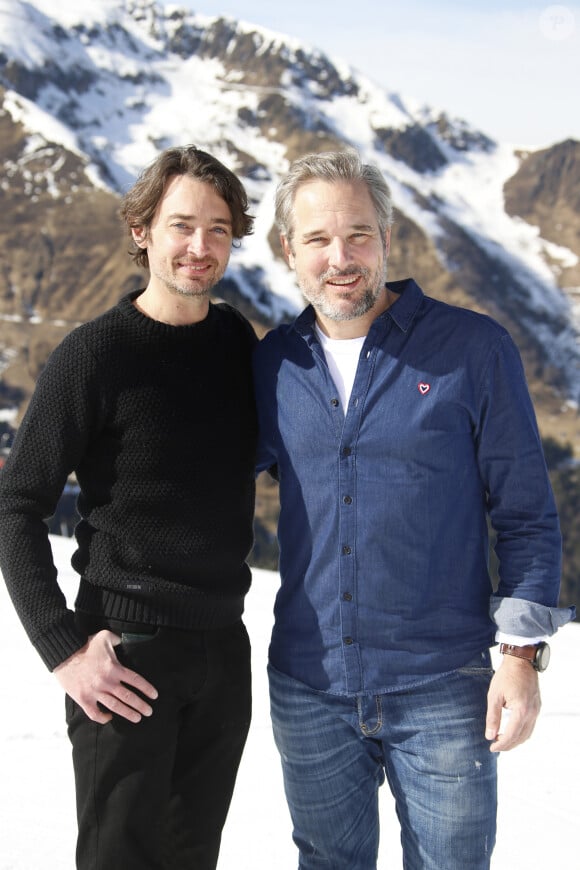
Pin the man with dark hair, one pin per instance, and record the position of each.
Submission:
(398, 425)
(141, 404)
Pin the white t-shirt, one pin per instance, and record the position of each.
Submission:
(342, 355)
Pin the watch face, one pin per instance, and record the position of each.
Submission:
(542, 657)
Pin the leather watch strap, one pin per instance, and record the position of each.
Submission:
(521, 652)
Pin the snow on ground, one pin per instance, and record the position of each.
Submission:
(538, 781)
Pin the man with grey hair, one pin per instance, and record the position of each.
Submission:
(396, 425)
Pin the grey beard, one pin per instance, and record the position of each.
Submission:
(360, 308)
(333, 311)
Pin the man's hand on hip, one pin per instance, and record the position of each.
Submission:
(93, 675)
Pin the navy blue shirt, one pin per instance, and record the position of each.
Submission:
(383, 527)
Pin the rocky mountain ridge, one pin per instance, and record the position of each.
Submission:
(89, 94)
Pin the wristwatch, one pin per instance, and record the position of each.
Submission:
(537, 654)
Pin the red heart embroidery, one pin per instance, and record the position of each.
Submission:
(424, 388)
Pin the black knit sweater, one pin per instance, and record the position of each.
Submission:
(158, 423)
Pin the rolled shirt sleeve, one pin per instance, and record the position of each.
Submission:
(528, 619)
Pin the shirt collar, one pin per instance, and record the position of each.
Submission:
(404, 309)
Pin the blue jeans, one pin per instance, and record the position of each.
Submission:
(429, 742)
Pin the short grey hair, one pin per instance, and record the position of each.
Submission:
(332, 166)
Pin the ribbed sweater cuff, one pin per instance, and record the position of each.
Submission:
(60, 644)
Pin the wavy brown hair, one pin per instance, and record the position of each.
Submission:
(140, 203)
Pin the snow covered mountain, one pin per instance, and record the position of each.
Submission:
(90, 92)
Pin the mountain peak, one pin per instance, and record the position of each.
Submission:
(105, 86)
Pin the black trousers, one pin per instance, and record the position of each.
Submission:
(155, 795)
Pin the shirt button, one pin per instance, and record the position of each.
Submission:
(347, 596)
(346, 551)
(347, 499)
(348, 641)
(347, 451)
(335, 403)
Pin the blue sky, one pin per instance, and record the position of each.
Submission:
(511, 69)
